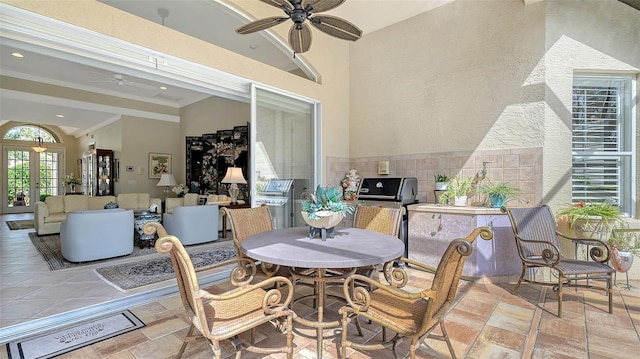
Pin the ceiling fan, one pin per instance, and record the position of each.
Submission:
(121, 80)
(299, 11)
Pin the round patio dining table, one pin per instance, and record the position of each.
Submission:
(350, 248)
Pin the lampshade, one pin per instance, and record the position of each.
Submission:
(234, 175)
(167, 179)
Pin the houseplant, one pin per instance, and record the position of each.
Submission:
(441, 182)
(72, 181)
(323, 210)
(458, 189)
(499, 193)
(588, 220)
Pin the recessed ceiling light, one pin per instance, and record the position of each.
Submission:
(163, 87)
(17, 54)
(59, 116)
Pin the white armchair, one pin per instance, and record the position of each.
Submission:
(98, 234)
(193, 224)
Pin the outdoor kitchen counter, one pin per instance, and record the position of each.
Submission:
(432, 227)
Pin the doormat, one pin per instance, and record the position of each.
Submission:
(20, 224)
(68, 339)
(137, 274)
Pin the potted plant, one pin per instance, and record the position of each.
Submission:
(624, 245)
(458, 189)
(72, 181)
(499, 193)
(323, 210)
(588, 220)
(441, 182)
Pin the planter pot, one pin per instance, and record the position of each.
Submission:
(324, 225)
(460, 201)
(496, 200)
(441, 186)
(621, 261)
(589, 227)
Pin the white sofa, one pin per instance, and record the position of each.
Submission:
(53, 211)
(192, 224)
(96, 234)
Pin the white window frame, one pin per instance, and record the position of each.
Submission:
(616, 176)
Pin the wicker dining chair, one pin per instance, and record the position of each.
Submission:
(538, 246)
(223, 316)
(246, 222)
(411, 315)
(379, 219)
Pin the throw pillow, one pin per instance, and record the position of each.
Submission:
(111, 205)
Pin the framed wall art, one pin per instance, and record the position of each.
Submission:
(159, 163)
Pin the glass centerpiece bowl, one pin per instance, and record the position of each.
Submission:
(323, 210)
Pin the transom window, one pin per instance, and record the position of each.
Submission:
(602, 140)
(29, 133)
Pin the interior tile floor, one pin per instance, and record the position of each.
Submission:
(487, 322)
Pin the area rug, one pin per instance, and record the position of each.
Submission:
(136, 274)
(68, 339)
(20, 224)
(49, 247)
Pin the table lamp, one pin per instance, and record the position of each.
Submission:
(234, 176)
(167, 180)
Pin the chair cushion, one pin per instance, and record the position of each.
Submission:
(55, 204)
(98, 202)
(133, 200)
(56, 217)
(230, 315)
(406, 314)
(75, 203)
(190, 199)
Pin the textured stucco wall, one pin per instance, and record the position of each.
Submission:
(582, 36)
(451, 79)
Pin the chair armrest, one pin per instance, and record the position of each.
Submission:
(597, 253)
(550, 254)
(273, 298)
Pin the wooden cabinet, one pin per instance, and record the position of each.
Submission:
(97, 172)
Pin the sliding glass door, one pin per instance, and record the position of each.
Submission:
(285, 145)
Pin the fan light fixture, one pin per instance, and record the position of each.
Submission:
(302, 13)
(39, 144)
(234, 176)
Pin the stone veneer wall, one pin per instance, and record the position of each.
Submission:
(521, 167)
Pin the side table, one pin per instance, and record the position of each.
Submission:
(224, 214)
(139, 220)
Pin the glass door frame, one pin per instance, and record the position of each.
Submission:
(316, 136)
(34, 177)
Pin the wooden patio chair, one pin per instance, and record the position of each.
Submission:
(411, 315)
(538, 246)
(224, 316)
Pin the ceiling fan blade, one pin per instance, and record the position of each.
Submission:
(260, 25)
(321, 5)
(300, 37)
(336, 26)
(280, 4)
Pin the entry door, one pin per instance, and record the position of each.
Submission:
(28, 175)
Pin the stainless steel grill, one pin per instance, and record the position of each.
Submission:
(392, 192)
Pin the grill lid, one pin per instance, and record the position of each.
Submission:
(399, 189)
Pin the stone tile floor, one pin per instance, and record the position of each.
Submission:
(488, 321)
